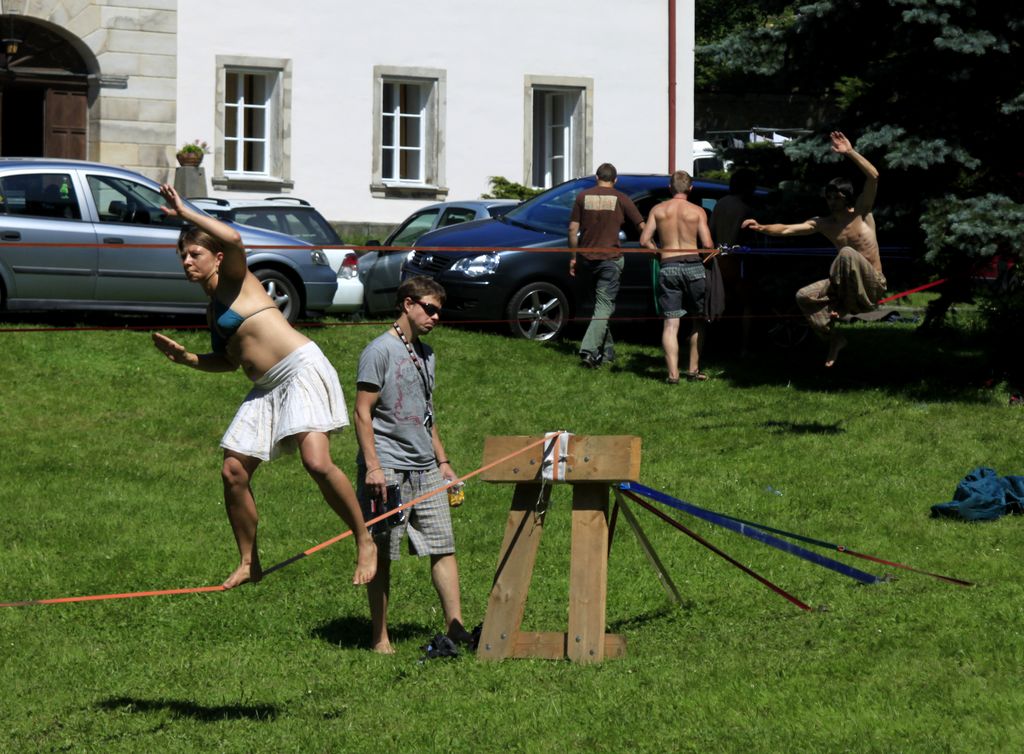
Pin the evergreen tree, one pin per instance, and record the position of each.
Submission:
(932, 91)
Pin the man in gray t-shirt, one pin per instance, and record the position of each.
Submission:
(399, 446)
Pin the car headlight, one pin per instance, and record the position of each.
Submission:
(317, 256)
(474, 267)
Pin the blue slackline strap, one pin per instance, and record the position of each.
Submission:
(751, 531)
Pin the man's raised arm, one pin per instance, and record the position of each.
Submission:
(866, 200)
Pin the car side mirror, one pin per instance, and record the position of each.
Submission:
(373, 242)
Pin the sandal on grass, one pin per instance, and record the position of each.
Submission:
(671, 380)
(697, 376)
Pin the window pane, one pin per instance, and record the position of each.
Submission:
(255, 153)
(409, 165)
(255, 89)
(49, 195)
(455, 215)
(390, 97)
(255, 123)
(231, 121)
(387, 134)
(231, 87)
(231, 155)
(409, 135)
(414, 228)
(388, 165)
(412, 98)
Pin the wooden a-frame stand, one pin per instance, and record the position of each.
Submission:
(593, 464)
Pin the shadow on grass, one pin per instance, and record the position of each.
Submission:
(796, 428)
(200, 712)
(354, 632)
(651, 616)
(896, 359)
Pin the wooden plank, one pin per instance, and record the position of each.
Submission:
(605, 458)
(524, 467)
(540, 645)
(598, 458)
(588, 573)
(507, 601)
(552, 645)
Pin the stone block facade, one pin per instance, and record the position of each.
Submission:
(129, 48)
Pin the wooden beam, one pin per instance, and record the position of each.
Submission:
(552, 645)
(588, 572)
(507, 600)
(598, 458)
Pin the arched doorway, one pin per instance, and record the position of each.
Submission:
(44, 92)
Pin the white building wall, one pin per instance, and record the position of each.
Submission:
(486, 49)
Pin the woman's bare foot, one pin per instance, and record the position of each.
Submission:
(366, 563)
(836, 344)
(245, 573)
(383, 648)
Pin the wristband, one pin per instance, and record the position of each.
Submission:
(442, 463)
(370, 471)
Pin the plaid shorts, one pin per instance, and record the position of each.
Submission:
(428, 523)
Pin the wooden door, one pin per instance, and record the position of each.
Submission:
(64, 124)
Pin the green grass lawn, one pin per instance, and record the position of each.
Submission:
(109, 482)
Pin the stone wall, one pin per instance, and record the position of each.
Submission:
(133, 103)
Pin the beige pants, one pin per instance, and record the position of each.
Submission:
(853, 287)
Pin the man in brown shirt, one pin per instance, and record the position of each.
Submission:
(597, 215)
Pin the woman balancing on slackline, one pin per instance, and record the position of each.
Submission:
(296, 401)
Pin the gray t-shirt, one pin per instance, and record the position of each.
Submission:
(401, 439)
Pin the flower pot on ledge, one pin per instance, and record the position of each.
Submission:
(189, 159)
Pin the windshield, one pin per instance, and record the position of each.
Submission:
(550, 211)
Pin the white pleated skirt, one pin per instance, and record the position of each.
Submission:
(301, 393)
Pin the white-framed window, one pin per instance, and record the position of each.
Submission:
(253, 147)
(409, 110)
(558, 128)
(248, 112)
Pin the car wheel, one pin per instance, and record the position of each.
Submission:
(538, 311)
(282, 291)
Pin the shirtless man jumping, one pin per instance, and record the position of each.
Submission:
(855, 281)
(680, 224)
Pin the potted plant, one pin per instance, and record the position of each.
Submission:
(191, 154)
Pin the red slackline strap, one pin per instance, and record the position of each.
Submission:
(693, 535)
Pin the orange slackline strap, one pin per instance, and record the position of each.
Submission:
(282, 564)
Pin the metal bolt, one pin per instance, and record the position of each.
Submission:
(487, 647)
(504, 636)
(586, 459)
(579, 639)
(515, 469)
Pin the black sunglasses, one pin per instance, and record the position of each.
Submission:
(429, 309)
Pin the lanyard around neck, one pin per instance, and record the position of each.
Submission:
(419, 363)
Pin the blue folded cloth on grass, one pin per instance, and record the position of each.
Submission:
(983, 495)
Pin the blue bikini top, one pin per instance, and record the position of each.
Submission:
(226, 322)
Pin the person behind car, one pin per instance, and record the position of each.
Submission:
(399, 447)
(682, 228)
(855, 281)
(597, 215)
(296, 401)
(726, 230)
